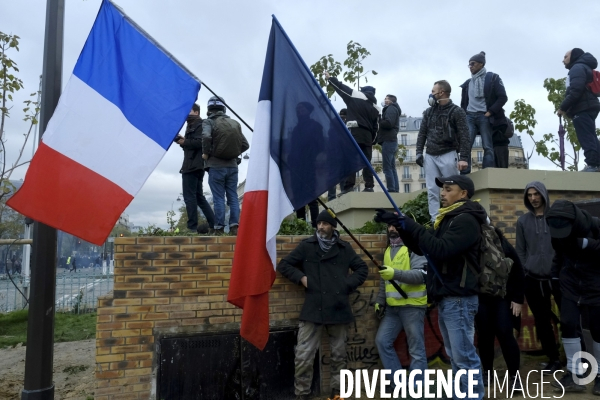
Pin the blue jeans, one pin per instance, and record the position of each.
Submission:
(585, 128)
(388, 154)
(397, 318)
(480, 124)
(224, 181)
(193, 197)
(456, 318)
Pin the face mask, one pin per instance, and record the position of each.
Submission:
(432, 100)
(191, 118)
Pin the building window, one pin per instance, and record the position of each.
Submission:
(477, 142)
(418, 124)
(423, 186)
(479, 156)
(407, 188)
(422, 173)
(406, 173)
(403, 125)
(404, 140)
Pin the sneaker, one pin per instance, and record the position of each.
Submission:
(596, 389)
(552, 367)
(211, 232)
(568, 384)
(368, 190)
(219, 231)
(233, 230)
(589, 168)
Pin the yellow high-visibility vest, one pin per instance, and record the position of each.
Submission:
(417, 294)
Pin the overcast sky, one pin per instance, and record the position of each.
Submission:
(412, 43)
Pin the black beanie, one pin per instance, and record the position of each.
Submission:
(575, 54)
(479, 57)
(326, 217)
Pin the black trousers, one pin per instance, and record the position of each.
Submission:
(501, 156)
(193, 196)
(494, 320)
(538, 295)
(367, 174)
(313, 206)
(570, 320)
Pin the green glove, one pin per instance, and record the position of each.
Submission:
(376, 307)
(387, 273)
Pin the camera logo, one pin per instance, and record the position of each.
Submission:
(584, 367)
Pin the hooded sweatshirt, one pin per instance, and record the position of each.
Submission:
(534, 245)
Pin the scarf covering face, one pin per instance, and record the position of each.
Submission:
(443, 211)
(326, 244)
(396, 242)
(478, 80)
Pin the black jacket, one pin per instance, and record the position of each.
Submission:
(515, 287)
(579, 97)
(444, 129)
(192, 148)
(362, 108)
(495, 97)
(456, 240)
(389, 124)
(329, 284)
(577, 269)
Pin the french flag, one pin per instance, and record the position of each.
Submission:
(300, 148)
(115, 120)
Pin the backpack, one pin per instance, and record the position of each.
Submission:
(510, 129)
(495, 266)
(227, 138)
(449, 128)
(594, 85)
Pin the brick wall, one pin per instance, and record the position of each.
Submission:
(174, 286)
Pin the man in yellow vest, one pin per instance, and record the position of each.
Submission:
(408, 270)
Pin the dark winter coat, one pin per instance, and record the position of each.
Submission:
(444, 129)
(456, 240)
(329, 283)
(579, 97)
(515, 287)
(495, 97)
(192, 148)
(389, 124)
(534, 245)
(362, 108)
(577, 268)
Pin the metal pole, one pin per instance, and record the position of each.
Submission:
(40, 326)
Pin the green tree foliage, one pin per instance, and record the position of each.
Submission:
(353, 63)
(548, 146)
(295, 226)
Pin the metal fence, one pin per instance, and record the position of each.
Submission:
(76, 292)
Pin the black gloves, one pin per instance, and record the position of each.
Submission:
(389, 218)
(419, 160)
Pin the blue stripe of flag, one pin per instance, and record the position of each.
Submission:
(119, 62)
(309, 142)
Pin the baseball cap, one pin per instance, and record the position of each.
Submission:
(463, 182)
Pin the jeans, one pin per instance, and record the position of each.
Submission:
(435, 167)
(494, 320)
(389, 150)
(585, 128)
(456, 318)
(538, 295)
(350, 181)
(309, 341)
(223, 181)
(480, 124)
(412, 320)
(193, 196)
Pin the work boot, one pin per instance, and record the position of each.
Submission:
(552, 367)
(219, 232)
(596, 389)
(233, 230)
(568, 384)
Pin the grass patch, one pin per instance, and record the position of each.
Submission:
(67, 327)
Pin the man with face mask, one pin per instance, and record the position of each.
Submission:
(320, 264)
(443, 135)
(408, 270)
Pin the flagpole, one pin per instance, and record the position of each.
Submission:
(39, 353)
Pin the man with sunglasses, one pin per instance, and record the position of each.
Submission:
(483, 96)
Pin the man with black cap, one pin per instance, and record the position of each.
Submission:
(581, 105)
(362, 120)
(483, 96)
(453, 248)
(320, 264)
(576, 242)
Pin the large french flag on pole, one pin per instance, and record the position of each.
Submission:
(300, 148)
(115, 120)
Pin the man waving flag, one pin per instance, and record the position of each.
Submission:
(115, 120)
(300, 148)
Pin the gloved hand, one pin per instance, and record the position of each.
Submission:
(390, 218)
(420, 160)
(387, 273)
(377, 307)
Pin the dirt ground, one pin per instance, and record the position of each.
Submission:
(74, 364)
